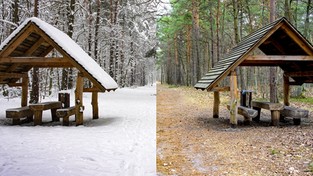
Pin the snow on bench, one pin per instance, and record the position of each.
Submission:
(17, 113)
(65, 113)
(38, 108)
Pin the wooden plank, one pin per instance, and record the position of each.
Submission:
(267, 105)
(17, 40)
(233, 99)
(35, 46)
(245, 111)
(79, 99)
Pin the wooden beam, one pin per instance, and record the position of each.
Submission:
(15, 84)
(286, 90)
(299, 73)
(35, 46)
(220, 89)
(270, 60)
(295, 83)
(12, 75)
(73, 62)
(18, 40)
(94, 103)
(278, 58)
(79, 100)
(29, 59)
(93, 89)
(47, 51)
(37, 61)
(298, 39)
(233, 99)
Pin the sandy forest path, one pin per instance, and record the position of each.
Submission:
(191, 142)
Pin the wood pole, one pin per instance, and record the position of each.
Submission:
(24, 91)
(233, 99)
(286, 91)
(94, 103)
(216, 104)
(79, 100)
(275, 117)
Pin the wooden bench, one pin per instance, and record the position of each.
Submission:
(65, 113)
(247, 113)
(38, 108)
(17, 113)
(275, 109)
(294, 113)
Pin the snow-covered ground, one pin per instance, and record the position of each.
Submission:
(121, 142)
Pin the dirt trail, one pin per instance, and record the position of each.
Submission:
(191, 142)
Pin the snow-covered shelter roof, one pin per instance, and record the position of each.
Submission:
(283, 46)
(29, 45)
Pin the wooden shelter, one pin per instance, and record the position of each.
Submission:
(282, 45)
(29, 46)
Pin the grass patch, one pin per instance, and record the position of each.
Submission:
(173, 86)
(311, 167)
(308, 100)
(274, 152)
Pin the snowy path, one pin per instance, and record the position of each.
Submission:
(120, 142)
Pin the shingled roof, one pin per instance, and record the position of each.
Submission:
(277, 38)
(29, 45)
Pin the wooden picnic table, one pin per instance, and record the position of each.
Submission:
(40, 107)
(275, 109)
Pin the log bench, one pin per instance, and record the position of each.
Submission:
(247, 113)
(294, 113)
(65, 113)
(275, 109)
(17, 113)
(38, 108)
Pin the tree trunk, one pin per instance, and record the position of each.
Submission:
(273, 70)
(34, 96)
(307, 19)
(195, 42)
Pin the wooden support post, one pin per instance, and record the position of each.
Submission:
(233, 99)
(216, 104)
(24, 91)
(286, 90)
(25, 95)
(79, 100)
(94, 103)
(275, 117)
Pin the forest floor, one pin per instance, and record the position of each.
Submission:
(191, 142)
